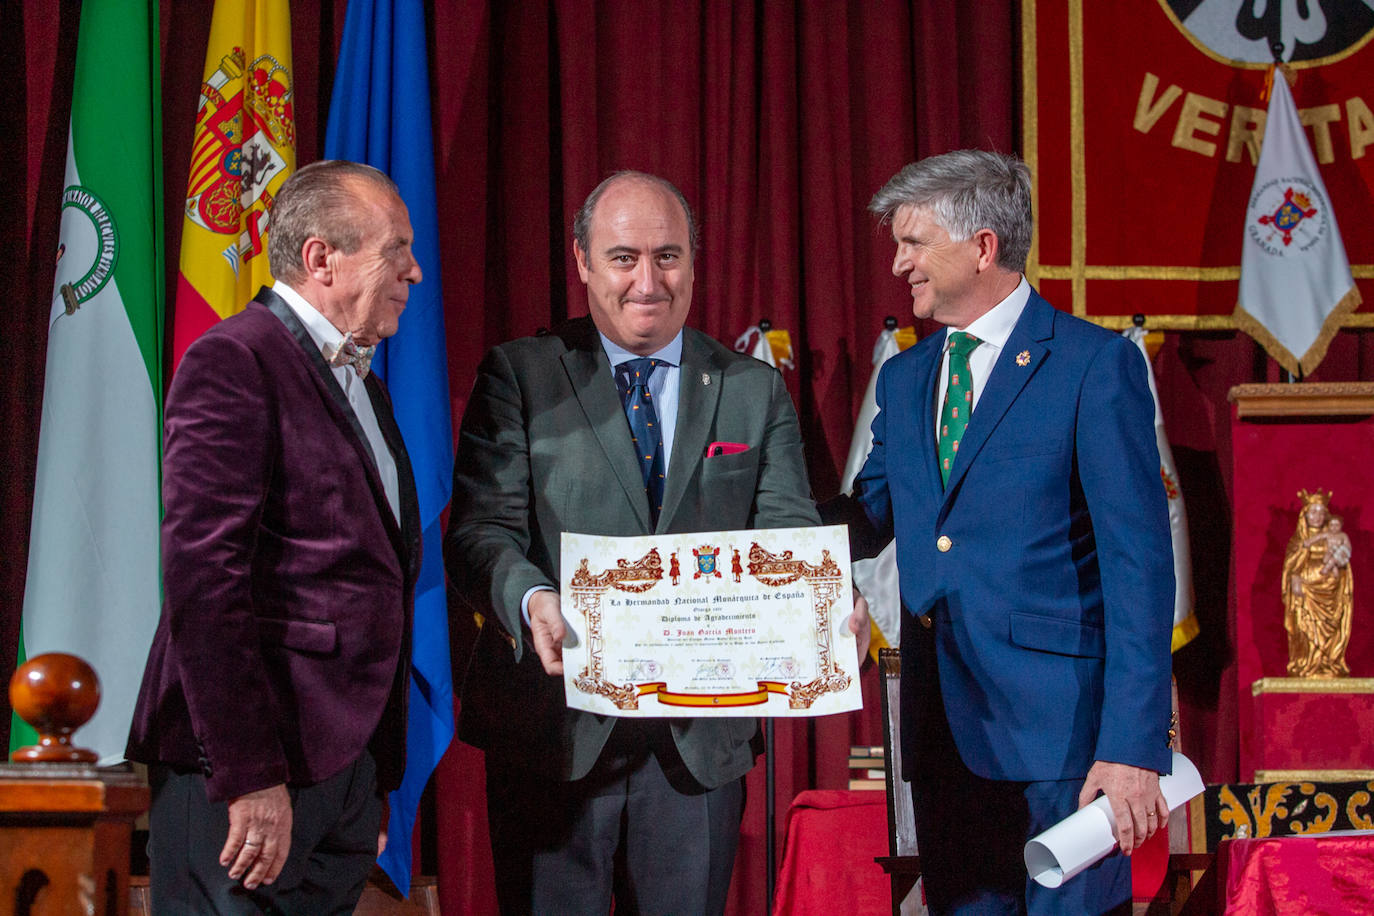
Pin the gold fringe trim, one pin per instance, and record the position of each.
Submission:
(1167, 272)
(1317, 352)
(1030, 129)
(1308, 362)
(1225, 322)
(1078, 167)
(1184, 631)
(876, 641)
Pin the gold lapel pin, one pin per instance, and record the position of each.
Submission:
(705, 378)
(1023, 358)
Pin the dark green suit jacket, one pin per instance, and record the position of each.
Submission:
(545, 448)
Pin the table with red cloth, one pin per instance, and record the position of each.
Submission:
(1308, 875)
(833, 837)
(827, 859)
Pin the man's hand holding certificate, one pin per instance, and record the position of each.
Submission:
(731, 623)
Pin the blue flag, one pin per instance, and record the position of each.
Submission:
(380, 115)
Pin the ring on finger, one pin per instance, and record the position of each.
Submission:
(251, 843)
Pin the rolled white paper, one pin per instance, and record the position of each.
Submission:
(1089, 834)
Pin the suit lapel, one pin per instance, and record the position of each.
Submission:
(926, 387)
(1008, 379)
(345, 417)
(589, 371)
(699, 386)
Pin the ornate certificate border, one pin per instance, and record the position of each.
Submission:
(824, 580)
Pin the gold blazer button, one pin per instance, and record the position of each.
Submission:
(944, 544)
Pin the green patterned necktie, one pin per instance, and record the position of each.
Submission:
(958, 400)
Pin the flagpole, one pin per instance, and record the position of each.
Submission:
(770, 807)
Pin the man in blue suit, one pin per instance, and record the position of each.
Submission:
(1014, 461)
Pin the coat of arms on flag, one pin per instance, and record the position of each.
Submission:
(244, 141)
(244, 147)
(1295, 208)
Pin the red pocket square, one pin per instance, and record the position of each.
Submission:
(716, 449)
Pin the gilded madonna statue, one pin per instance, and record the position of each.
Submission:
(1317, 591)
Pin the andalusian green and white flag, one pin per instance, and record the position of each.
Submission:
(93, 577)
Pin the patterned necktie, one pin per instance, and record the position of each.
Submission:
(349, 353)
(958, 400)
(632, 378)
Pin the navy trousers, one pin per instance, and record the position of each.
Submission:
(970, 831)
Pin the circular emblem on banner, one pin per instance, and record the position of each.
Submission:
(1287, 216)
(1244, 32)
(90, 242)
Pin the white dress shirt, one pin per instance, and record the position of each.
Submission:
(993, 328)
(326, 335)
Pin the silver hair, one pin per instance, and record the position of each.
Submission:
(968, 190)
(582, 220)
(319, 200)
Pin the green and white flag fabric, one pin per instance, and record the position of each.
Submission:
(93, 585)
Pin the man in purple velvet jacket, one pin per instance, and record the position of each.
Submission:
(272, 712)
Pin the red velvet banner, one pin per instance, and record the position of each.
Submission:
(1142, 123)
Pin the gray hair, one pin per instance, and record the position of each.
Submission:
(968, 190)
(319, 200)
(582, 220)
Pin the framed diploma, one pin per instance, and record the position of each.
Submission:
(726, 623)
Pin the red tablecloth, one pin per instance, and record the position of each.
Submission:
(827, 860)
(833, 837)
(1277, 876)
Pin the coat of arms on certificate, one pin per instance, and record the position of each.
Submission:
(754, 626)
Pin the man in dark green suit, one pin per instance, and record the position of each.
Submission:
(582, 806)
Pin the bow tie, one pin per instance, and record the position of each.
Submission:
(349, 353)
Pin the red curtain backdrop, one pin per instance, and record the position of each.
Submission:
(778, 120)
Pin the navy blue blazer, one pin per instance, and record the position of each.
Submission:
(1053, 599)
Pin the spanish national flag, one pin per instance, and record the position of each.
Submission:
(244, 148)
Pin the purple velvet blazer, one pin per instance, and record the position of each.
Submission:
(283, 650)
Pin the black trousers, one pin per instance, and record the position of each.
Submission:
(637, 828)
(334, 827)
